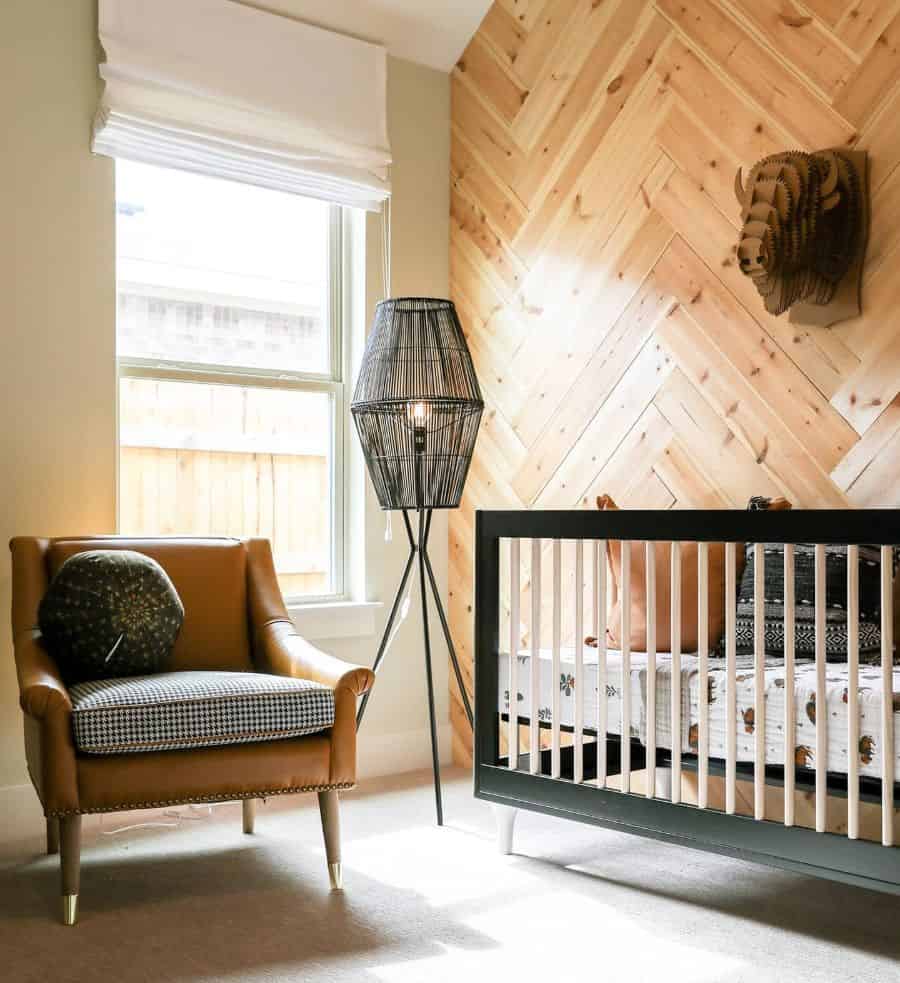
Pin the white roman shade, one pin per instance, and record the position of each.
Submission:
(220, 88)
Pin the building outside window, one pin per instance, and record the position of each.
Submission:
(231, 378)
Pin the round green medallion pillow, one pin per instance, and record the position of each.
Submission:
(110, 613)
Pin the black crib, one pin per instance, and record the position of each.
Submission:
(564, 781)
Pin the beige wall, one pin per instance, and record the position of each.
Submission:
(57, 313)
(57, 301)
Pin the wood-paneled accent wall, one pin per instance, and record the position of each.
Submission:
(594, 147)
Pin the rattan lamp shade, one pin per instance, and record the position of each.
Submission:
(417, 404)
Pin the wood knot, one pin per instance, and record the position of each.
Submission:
(795, 20)
(615, 85)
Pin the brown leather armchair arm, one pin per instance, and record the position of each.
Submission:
(279, 649)
(285, 653)
(42, 693)
(289, 654)
(49, 741)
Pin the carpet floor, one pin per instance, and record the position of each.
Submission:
(196, 900)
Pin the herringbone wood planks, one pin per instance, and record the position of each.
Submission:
(592, 259)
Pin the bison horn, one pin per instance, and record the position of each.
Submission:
(739, 187)
(831, 179)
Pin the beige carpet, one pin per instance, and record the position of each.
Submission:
(199, 901)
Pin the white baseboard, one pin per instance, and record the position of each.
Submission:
(377, 755)
(21, 811)
(393, 754)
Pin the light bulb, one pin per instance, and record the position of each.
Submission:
(419, 414)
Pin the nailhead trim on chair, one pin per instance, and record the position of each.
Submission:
(225, 797)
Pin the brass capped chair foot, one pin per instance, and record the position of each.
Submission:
(70, 908)
(336, 876)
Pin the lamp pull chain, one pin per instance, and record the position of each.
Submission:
(388, 530)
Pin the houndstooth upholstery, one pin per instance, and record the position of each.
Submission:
(174, 710)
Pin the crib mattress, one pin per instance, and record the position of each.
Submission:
(743, 724)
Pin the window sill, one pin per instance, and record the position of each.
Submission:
(335, 619)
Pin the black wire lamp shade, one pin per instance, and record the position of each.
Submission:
(417, 405)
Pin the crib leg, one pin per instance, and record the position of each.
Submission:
(663, 787)
(505, 818)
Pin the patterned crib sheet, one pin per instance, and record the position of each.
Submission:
(565, 682)
(806, 711)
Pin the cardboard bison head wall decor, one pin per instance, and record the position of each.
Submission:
(805, 225)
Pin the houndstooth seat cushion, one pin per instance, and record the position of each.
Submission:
(173, 710)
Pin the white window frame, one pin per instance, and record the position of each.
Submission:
(335, 382)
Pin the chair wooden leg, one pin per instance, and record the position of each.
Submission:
(329, 808)
(249, 806)
(70, 865)
(52, 835)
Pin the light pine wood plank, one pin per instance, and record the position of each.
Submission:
(876, 446)
(544, 33)
(485, 132)
(560, 71)
(829, 11)
(473, 230)
(801, 40)
(874, 79)
(629, 475)
(480, 68)
(608, 297)
(629, 398)
(773, 445)
(778, 383)
(699, 426)
(560, 201)
(504, 32)
(691, 488)
(867, 392)
(766, 79)
(591, 388)
(708, 163)
(746, 131)
(480, 187)
(821, 355)
(865, 21)
(601, 76)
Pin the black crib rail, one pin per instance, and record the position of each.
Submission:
(829, 855)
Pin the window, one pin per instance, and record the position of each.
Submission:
(231, 378)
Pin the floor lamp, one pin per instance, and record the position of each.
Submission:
(417, 408)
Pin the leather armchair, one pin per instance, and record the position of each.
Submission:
(235, 619)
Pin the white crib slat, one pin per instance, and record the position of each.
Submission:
(730, 681)
(853, 692)
(534, 736)
(514, 634)
(703, 670)
(821, 707)
(759, 680)
(578, 749)
(789, 696)
(555, 673)
(625, 600)
(887, 696)
(602, 703)
(675, 576)
(650, 564)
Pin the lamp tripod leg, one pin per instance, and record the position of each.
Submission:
(435, 755)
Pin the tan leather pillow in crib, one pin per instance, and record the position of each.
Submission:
(638, 591)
